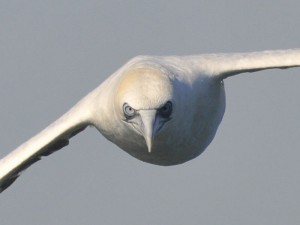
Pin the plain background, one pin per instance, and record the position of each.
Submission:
(52, 53)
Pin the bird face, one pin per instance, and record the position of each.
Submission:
(144, 99)
(148, 122)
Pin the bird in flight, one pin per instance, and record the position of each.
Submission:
(163, 110)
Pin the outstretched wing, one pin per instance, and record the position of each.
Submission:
(226, 65)
(51, 139)
(255, 61)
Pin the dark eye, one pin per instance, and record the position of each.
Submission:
(128, 111)
(166, 110)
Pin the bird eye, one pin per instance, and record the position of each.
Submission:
(166, 110)
(128, 111)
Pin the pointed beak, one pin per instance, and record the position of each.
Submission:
(148, 127)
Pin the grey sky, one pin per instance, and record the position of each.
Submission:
(52, 53)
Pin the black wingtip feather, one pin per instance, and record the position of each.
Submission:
(17, 172)
(51, 148)
(7, 183)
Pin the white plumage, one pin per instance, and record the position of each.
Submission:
(161, 110)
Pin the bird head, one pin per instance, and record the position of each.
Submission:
(144, 102)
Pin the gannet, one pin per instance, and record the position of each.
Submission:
(163, 110)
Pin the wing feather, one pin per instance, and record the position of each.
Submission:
(51, 139)
(256, 61)
(226, 65)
